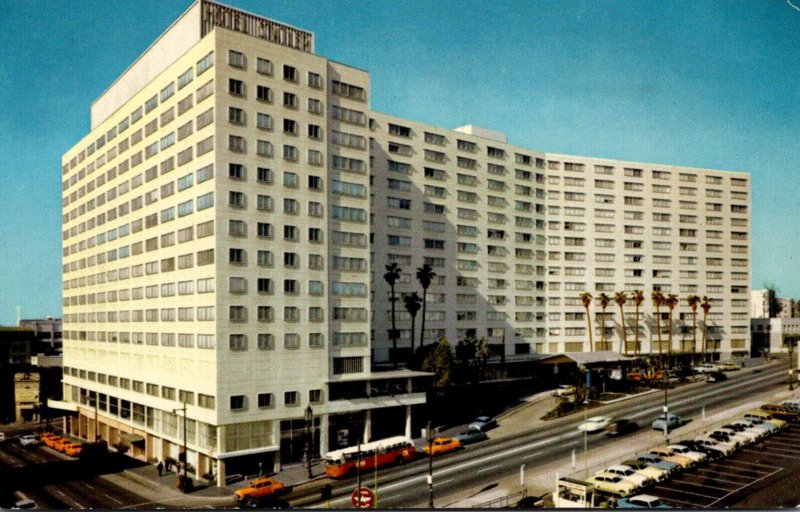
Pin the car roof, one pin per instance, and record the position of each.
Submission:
(623, 467)
(645, 497)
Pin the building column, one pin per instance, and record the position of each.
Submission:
(323, 434)
(408, 421)
(276, 436)
(221, 476)
(367, 426)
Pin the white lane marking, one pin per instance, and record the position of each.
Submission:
(718, 472)
(443, 482)
(670, 489)
(75, 502)
(115, 500)
(489, 468)
(744, 487)
(749, 463)
(706, 485)
(673, 500)
(772, 454)
(90, 486)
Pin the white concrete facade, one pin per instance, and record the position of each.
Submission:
(516, 235)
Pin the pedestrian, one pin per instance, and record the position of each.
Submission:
(168, 465)
(260, 469)
(160, 468)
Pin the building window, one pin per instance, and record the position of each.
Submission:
(264, 400)
(290, 398)
(237, 402)
(235, 87)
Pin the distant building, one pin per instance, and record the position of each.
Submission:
(759, 304)
(48, 333)
(774, 335)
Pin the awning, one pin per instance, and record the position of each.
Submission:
(61, 405)
(131, 438)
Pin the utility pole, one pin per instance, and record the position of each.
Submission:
(666, 407)
(309, 439)
(358, 472)
(585, 431)
(429, 431)
(96, 426)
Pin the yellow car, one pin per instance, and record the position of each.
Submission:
(259, 489)
(52, 440)
(612, 484)
(727, 367)
(765, 416)
(652, 472)
(61, 444)
(442, 445)
(672, 456)
(73, 449)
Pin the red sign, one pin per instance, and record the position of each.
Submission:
(362, 498)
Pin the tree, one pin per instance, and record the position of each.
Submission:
(471, 357)
(693, 301)
(391, 276)
(412, 303)
(658, 300)
(671, 302)
(604, 301)
(638, 298)
(621, 298)
(425, 275)
(586, 298)
(440, 362)
(706, 305)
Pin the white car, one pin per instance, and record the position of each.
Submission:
(759, 429)
(28, 440)
(628, 473)
(751, 434)
(705, 368)
(686, 452)
(564, 390)
(612, 484)
(737, 438)
(595, 424)
(724, 447)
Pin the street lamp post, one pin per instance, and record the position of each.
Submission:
(585, 430)
(185, 455)
(309, 421)
(429, 431)
(791, 370)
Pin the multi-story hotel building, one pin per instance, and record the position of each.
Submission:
(215, 252)
(515, 237)
(217, 223)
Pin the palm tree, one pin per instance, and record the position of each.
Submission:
(621, 298)
(693, 301)
(412, 303)
(638, 298)
(425, 275)
(671, 302)
(706, 305)
(658, 300)
(391, 276)
(604, 302)
(586, 298)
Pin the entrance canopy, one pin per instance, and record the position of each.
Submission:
(600, 358)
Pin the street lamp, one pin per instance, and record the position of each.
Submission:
(585, 429)
(429, 431)
(185, 459)
(309, 422)
(791, 371)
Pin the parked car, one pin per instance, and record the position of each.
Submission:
(655, 460)
(705, 368)
(715, 377)
(628, 473)
(442, 445)
(766, 416)
(711, 452)
(781, 412)
(759, 430)
(641, 501)
(792, 405)
(73, 449)
(621, 427)
(471, 436)
(564, 390)
(671, 421)
(672, 456)
(727, 437)
(757, 422)
(612, 484)
(653, 472)
(28, 440)
(595, 424)
(725, 447)
(259, 489)
(2, 436)
(50, 440)
(728, 367)
(685, 451)
(750, 433)
(483, 423)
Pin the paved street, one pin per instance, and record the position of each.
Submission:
(470, 477)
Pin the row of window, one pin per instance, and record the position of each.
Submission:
(639, 187)
(136, 115)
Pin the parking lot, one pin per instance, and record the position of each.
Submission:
(751, 476)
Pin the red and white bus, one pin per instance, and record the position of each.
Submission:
(392, 450)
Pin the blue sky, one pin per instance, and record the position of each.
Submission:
(701, 83)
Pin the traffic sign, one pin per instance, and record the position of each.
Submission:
(362, 498)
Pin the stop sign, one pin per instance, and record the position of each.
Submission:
(362, 498)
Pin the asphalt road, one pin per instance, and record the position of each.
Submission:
(55, 483)
(480, 466)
